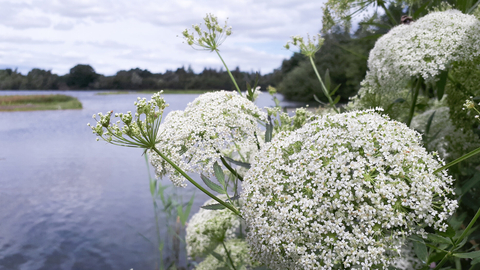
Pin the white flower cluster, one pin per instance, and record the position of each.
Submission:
(208, 228)
(214, 124)
(343, 192)
(423, 48)
(239, 252)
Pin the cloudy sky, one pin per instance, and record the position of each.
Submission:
(112, 35)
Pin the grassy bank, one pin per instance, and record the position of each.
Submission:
(155, 91)
(38, 102)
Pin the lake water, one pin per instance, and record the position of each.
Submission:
(69, 202)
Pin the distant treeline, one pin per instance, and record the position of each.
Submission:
(343, 54)
(84, 77)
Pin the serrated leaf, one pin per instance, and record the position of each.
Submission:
(441, 83)
(420, 250)
(239, 163)
(468, 255)
(215, 206)
(212, 185)
(219, 174)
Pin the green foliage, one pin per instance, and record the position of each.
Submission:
(38, 102)
(81, 76)
(346, 70)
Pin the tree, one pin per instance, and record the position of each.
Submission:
(81, 76)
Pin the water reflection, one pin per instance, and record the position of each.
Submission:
(69, 202)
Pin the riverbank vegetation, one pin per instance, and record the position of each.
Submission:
(38, 102)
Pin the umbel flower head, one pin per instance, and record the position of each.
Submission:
(138, 130)
(208, 228)
(343, 192)
(209, 39)
(307, 48)
(423, 48)
(214, 124)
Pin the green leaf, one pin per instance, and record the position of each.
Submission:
(219, 174)
(152, 187)
(239, 163)
(417, 13)
(318, 100)
(180, 211)
(337, 99)
(212, 185)
(467, 186)
(441, 83)
(420, 250)
(476, 261)
(217, 256)
(335, 90)
(215, 206)
(327, 80)
(435, 238)
(429, 122)
(449, 233)
(461, 244)
(473, 7)
(269, 131)
(184, 216)
(468, 255)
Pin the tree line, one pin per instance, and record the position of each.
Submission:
(343, 53)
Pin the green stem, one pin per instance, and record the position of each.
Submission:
(229, 73)
(442, 262)
(462, 158)
(325, 90)
(459, 240)
(184, 174)
(470, 225)
(416, 90)
(389, 14)
(159, 240)
(231, 169)
(228, 255)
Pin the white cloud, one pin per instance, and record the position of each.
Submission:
(111, 35)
